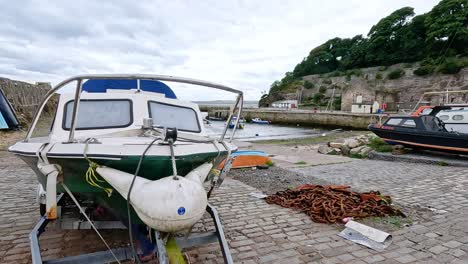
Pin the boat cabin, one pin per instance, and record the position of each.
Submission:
(123, 110)
(426, 123)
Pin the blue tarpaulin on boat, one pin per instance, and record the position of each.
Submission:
(3, 123)
(100, 86)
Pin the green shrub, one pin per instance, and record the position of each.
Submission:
(337, 103)
(348, 77)
(322, 89)
(395, 74)
(378, 76)
(327, 81)
(317, 98)
(464, 61)
(308, 85)
(450, 67)
(382, 68)
(424, 70)
(335, 74)
(270, 163)
(379, 145)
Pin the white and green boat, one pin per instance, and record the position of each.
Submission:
(94, 147)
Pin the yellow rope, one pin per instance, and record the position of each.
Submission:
(91, 177)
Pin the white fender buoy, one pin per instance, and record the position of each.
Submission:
(168, 204)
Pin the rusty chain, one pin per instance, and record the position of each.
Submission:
(332, 203)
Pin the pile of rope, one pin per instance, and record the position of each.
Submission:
(333, 203)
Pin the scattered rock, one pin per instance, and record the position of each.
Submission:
(365, 151)
(398, 150)
(345, 150)
(357, 150)
(335, 144)
(324, 149)
(353, 143)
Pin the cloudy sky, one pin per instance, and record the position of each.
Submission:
(243, 44)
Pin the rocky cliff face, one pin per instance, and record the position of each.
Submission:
(373, 84)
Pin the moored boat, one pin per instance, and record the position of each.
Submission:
(248, 158)
(424, 131)
(260, 121)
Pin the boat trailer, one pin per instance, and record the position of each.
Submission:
(124, 253)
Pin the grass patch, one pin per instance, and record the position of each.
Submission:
(356, 156)
(379, 145)
(313, 140)
(300, 162)
(396, 221)
(442, 163)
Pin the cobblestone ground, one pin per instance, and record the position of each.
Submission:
(262, 233)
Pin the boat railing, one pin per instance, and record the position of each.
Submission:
(236, 110)
(446, 93)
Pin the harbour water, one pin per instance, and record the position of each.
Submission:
(253, 132)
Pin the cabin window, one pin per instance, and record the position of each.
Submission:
(426, 111)
(444, 117)
(394, 121)
(167, 115)
(409, 123)
(99, 114)
(457, 117)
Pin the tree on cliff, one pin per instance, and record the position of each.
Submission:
(447, 23)
(399, 37)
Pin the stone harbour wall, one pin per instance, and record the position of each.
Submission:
(306, 117)
(24, 97)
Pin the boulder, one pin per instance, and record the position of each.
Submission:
(335, 144)
(345, 150)
(357, 150)
(324, 149)
(365, 151)
(353, 143)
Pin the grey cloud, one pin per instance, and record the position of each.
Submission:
(244, 44)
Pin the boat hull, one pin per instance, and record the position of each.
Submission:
(439, 141)
(152, 168)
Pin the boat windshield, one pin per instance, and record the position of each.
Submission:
(99, 114)
(167, 115)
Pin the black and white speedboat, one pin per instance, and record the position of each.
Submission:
(424, 132)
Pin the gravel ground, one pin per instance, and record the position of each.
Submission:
(273, 179)
(276, 179)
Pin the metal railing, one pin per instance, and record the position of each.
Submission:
(81, 78)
